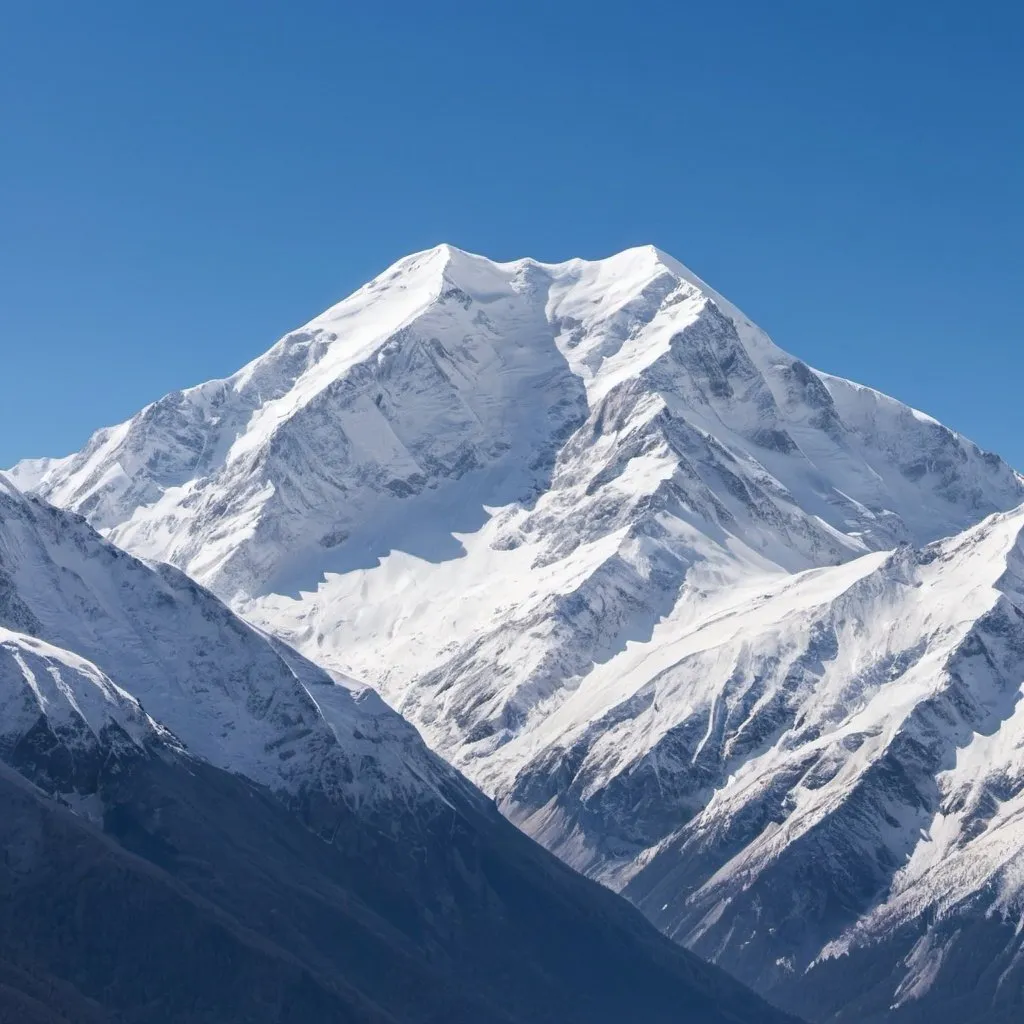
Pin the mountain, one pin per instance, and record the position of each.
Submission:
(821, 784)
(611, 391)
(199, 825)
(644, 577)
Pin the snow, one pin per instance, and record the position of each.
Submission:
(684, 605)
(40, 680)
(91, 636)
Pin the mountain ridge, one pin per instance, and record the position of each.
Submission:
(310, 359)
(610, 549)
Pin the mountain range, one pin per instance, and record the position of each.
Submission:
(737, 638)
(199, 825)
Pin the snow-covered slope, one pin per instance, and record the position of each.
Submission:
(91, 635)
(611, 550)
(830, 765)
(62, 720)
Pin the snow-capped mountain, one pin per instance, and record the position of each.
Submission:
(451, 386)
(564, 452)
(668, 593)
(199, 824)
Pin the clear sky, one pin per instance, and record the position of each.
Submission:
(181, 183)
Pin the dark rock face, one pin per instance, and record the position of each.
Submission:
(981, 980)
(204, 899)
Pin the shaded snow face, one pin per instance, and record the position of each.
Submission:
(627, 564)
(66, 726)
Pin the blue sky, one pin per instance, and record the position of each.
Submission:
(182, 183)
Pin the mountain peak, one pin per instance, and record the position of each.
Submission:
(449, 368)
(458, 265)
